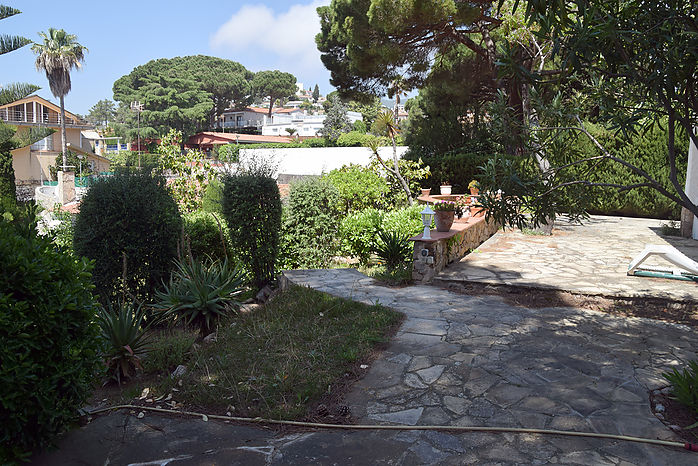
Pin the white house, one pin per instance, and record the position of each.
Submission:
(250, 117)
(306, 125)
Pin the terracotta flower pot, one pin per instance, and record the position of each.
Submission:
(444, 220)
(474, 191)
(426, 192)
(445, 189)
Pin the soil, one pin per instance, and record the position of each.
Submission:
(679, 312)
(676, 416)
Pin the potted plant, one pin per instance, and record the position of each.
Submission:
(444, 214)
(474, 188)
(426, 192)
(446, 188)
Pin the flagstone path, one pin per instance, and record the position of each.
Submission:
(460, 360)
(592, 258)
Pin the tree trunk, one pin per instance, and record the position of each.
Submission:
(404, 184)
(271, 105)
(64, 146)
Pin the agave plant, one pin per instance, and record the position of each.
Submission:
(126, 341)
(392, 249)
(201, 293)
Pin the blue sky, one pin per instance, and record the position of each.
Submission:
(262, 34)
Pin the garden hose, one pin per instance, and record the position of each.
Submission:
(516, 430)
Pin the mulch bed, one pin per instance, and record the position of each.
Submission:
(676, 416)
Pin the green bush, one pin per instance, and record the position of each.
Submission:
(646, 151)
(131, 218)
(252, 209)
(128, 159)
(358, 232)
(212, 200)
(359, 188)
(359, 126)
(310, 229)
(354, 139)
(406, 222)
(49, 352)
(206, 235)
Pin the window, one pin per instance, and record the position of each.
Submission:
(44, 144)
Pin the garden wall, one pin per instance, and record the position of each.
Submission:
(316, 160)
(448, 247)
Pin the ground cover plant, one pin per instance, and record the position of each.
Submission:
(275, 361)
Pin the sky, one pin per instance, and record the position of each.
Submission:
(261, 35)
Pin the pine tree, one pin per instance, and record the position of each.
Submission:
(316, 93)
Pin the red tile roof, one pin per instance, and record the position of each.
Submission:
(211, 138)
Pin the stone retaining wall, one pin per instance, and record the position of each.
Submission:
(452, 246)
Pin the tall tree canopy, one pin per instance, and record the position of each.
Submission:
(102, 112)
(57, 54)
(275, 85)
(211, 85)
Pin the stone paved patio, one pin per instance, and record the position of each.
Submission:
(590, 259)
(460, 360)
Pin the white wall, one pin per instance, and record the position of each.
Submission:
(317, 160)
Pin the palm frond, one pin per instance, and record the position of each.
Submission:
(7, 11)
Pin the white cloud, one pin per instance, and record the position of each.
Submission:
(289, 36)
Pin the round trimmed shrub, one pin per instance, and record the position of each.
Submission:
(359, 188)
(252, 209)
(131, 216)
(203, 235)
(49, 352)
(406, 222)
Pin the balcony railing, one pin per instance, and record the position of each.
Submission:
(12, 116)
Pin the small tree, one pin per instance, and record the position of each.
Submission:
(387, 122)
(193, 172)
(336, 122)
(316, 93)
(275, 85)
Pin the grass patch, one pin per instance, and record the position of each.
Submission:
(399, 276)
(168, 349)
(278, 360)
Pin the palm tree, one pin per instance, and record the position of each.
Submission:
(57, 55)
(386, 122)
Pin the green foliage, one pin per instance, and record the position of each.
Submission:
(684, 385)
(206, 235)
(49, 348)
(359, 188)
(414, 172)
(168, 350)
(457, 168)
(101, 113)
(229, 152)
(8, 190)
(393, 249)
(310, 229)
(182, 92)
(63, 233)
(128, 218)
(354, 139)
(406, 222)
(125, 338)
(212, 200)
(275, 85)
(646, 151)
(72, 161)
(126, 159)
(192, 169)
(359, 126)
(336, 122)
(358, 231)
(252, 209)
(200, 293)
